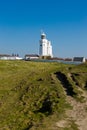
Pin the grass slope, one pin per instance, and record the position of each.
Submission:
(33, 94)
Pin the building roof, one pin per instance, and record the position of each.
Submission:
(31, 55)
(78, 59)
(4, 55)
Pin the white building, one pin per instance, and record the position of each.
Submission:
(9, 57)
(31, 56)
(45, 46)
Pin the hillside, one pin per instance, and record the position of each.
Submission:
(42, 96)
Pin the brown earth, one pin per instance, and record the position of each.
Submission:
(78, 113)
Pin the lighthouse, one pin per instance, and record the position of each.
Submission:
(45, 49)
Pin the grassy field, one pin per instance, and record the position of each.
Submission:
(33, 94)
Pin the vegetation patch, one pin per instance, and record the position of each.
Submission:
(32, 94)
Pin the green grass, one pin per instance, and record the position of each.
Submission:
(31, 94)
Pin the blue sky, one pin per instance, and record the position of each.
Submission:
(64, 22)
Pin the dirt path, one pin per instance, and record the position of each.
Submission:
(79, 112)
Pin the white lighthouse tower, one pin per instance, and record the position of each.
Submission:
(45, 46)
